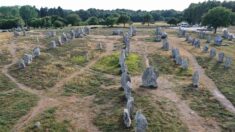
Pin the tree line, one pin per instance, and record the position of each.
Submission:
(13, 16)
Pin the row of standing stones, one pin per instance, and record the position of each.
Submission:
(63, 39)
(140, 119)
(212, 53)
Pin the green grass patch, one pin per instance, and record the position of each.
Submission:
(161, 115)
(87, 84)
(207, 106)
(166, 65)
(5, 57)
(109, 64)
(13, 106)
(49, 123)
(42, 73)
(5, 83)
(223, 78)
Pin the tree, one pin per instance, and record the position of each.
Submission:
(93, 21)
(28, 12)
(110, 21)
(173, 21)
(217, 17)
(147, 18)
(58, 23)
(73, 19)
(124, 19)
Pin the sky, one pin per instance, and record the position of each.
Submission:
(147, 5)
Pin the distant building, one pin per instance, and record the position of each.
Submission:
(183, 24)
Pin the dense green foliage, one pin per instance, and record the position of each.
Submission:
(147, 18)
(193, 14)
(217, 17)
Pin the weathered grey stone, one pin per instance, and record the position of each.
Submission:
(126, 118)
(127, 90)
(178, 60)
(181, 32)
(158, 31)
(164, 35)
(187, 37)
(117, 32)
(165, 45)
(59, 40)
(175, 52)
(141, 122)
(124, 79)
(16, 34)
(37, 125)
(195, 79)
(218, 40)
(221, 57)
(225, 33)
(122, 57)
(130, 105)
(196, 43)
(126, 38)
(190, 39)
(36, 52)
(52, 44)
(27, 59)
(64, 38)
(72, 34)
(228, 62)
(87, 30)
(24, 33)
(51, 33)
(124, 68)
(132, 31)
(99, 46)
(212, 52)
(184, 64)
(206, 48)
(208, 39)
(230, 37)
(202, 35)
(158, 38)
(149, 78)
(21, 64)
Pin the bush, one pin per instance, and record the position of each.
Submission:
(58, 23)
(11, 23)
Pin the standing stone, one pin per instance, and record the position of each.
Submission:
(178, 60)
(149, 78)
(72, 34)
(126, 118)
(230, 37)
(190, 39)
(21, 64)
(174, 52)
(141, 122)
(27, 59)
(64, 38)
(130, 105)
(16, 34)
(158, 34)
(36, 52)
(53, 45)
(165, 45)
(87, 30)
(59, 40)
(201, 34)
(158, 38)
(117, 32)
(24, 33)
(208, 40)
(124, 79)
(124, 68)
(221, 57)
(122, 57)
(196, 43)
(212, 52)
(186, 37)
(164, 35)
(195, 79)
(228, 62)
(206, 48)
(99, 46)
(225, 33)
(218, 40)
(127, 90)
(184, 64)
